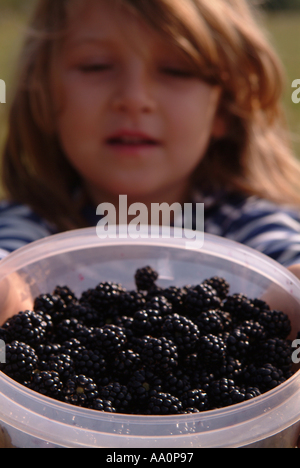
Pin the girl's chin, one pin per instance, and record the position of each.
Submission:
(131, 196)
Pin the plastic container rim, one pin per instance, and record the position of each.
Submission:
(56, 244)
(119, 417)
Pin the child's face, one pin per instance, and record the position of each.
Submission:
(133, 119)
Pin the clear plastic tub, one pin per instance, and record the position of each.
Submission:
(81, 260)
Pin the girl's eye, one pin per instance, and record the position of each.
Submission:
(95, 67)
(178, 73)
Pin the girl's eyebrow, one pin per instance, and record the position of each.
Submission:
(87, 40)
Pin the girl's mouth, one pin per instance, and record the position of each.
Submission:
(131, 138)
(131, 142)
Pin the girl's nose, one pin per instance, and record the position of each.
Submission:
(134, 93)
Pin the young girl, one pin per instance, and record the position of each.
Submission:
(160, 100)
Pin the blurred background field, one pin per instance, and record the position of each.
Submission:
(284, 32)
(281, 19)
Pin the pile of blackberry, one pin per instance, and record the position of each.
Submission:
(150, 350)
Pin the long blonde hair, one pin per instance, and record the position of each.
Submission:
(226, 45)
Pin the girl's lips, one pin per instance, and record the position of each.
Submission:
(131, 142)
(131, 138)
(132, 149)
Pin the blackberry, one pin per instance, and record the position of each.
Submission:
(47, 383)
(157, 353)
(118, 394)
(44, 351)
(193, 365)
(145, 278)
(84, 313)
(4, 335)
(142, 384)
(28, 327)
(175, 297)
(161, 304)
(202, 378)
(124, 364)
(274, 351)
(211, 348)
(72, 347)
(200, 298)
(152, 292)
(130, 302)
(49, 324)
(66, 294)
(238, 344)
(176, 383)
(102, 405)
(190, 362)
(263, 377)
(103, 296)
(229, 367)
(50, 304)
(21, 361)
(80, 390)
(65, 330)
(237, 395)
(250, 392)
(109, 339)
(60, 363)
(275, 323)
(69, 329)
(110, 316)
(190, 410)
(260, 305)
(254, 331)
(182, 331)
(195, 398)
(164, 403)
(226, 318)
(210, 322)
(220, 285)
(91, 363)
(83, 334)
(224, 392)
(125, 323)
(147, 322)
(241, 308)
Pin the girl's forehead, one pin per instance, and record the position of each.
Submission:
(107, 22)
(104, 20)
(128, 23)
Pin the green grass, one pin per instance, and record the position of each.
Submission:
(12, 26)
(284, 33)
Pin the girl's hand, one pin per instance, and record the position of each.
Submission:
(15, 297)
(295, 269)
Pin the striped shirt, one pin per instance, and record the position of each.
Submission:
(255, 222)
